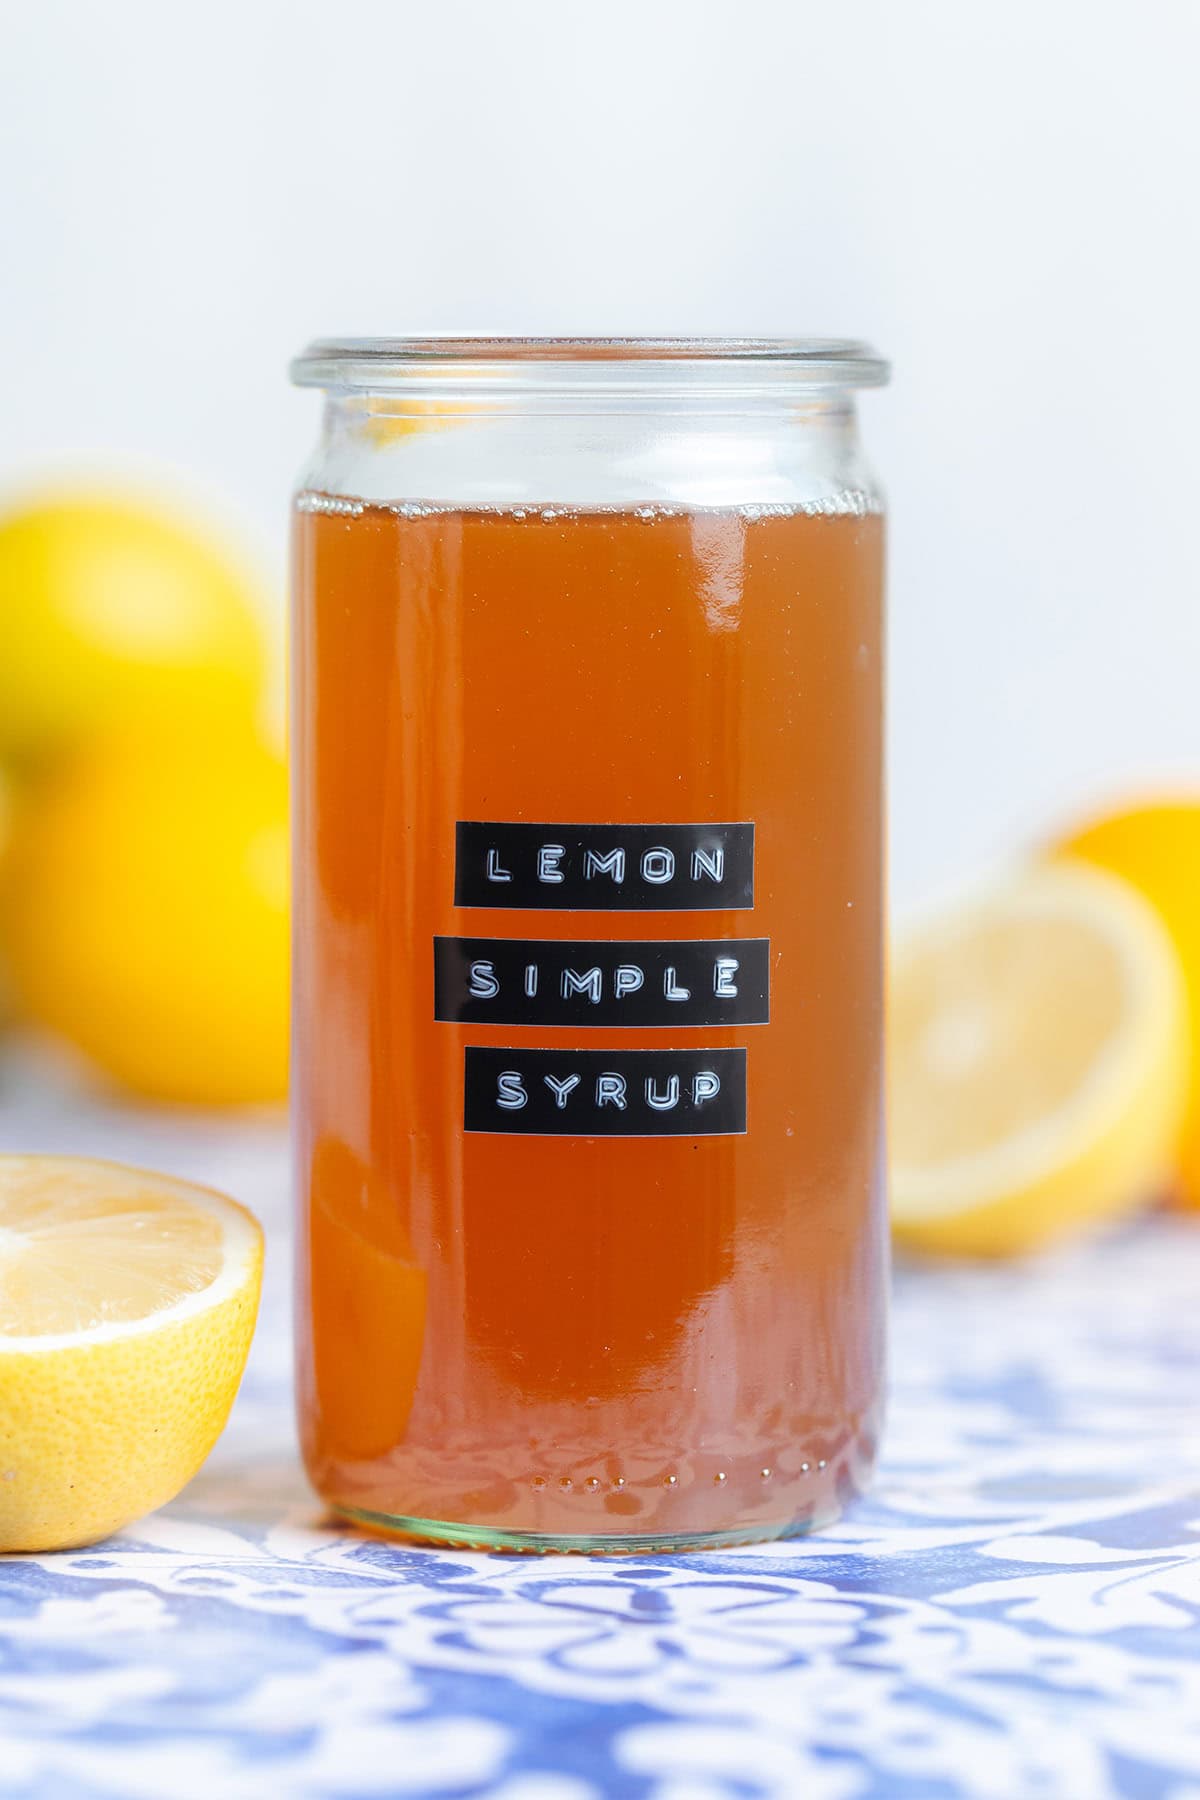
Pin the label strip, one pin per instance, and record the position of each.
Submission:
(605, 1093)
(604, 868)
(601, 982)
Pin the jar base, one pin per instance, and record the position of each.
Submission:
(536, 1543)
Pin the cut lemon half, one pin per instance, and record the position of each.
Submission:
(1155, 846)
(127, 1305)
(1038, 1056)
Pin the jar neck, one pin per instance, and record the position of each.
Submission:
(443, 446)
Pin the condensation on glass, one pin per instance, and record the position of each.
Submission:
(588, 939)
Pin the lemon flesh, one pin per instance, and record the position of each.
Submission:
(127, 1305)
(1038, 1063)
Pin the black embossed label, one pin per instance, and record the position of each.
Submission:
(601, 982)
(604, 868)
(606, 1093)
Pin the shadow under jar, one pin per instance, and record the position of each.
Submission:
(588, 939)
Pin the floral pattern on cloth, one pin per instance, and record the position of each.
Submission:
(1013, 1612)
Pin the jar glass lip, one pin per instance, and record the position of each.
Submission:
(373, 362)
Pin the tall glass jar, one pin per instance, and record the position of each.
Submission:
(588, 939)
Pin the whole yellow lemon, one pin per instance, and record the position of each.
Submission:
(1156, 847)
(110, 607)
(146, 909)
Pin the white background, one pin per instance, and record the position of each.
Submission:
(1003, 197)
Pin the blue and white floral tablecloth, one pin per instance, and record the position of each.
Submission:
(1014, 1612)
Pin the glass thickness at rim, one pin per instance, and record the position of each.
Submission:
(641, 368)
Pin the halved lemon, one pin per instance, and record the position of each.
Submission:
(1155, 846)
(127, 1305)
(1038, 1055)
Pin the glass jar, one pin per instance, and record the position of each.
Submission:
(588, 939)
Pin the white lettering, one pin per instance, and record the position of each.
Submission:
(725, 969)
(627, 979)
(560, 1089)
(510, 1091)
(610, 1090)
(588, 983)
(705, 1086)
(494, 870)
(662, 1102)
(531, 980)
(658, 865)
(672, 989)
(483, 984)
(710, 863)
(549, 857)
(613, 863)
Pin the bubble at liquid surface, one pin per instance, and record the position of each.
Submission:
(842, 503)
(333, 504)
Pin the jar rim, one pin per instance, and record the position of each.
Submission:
(370, 362)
